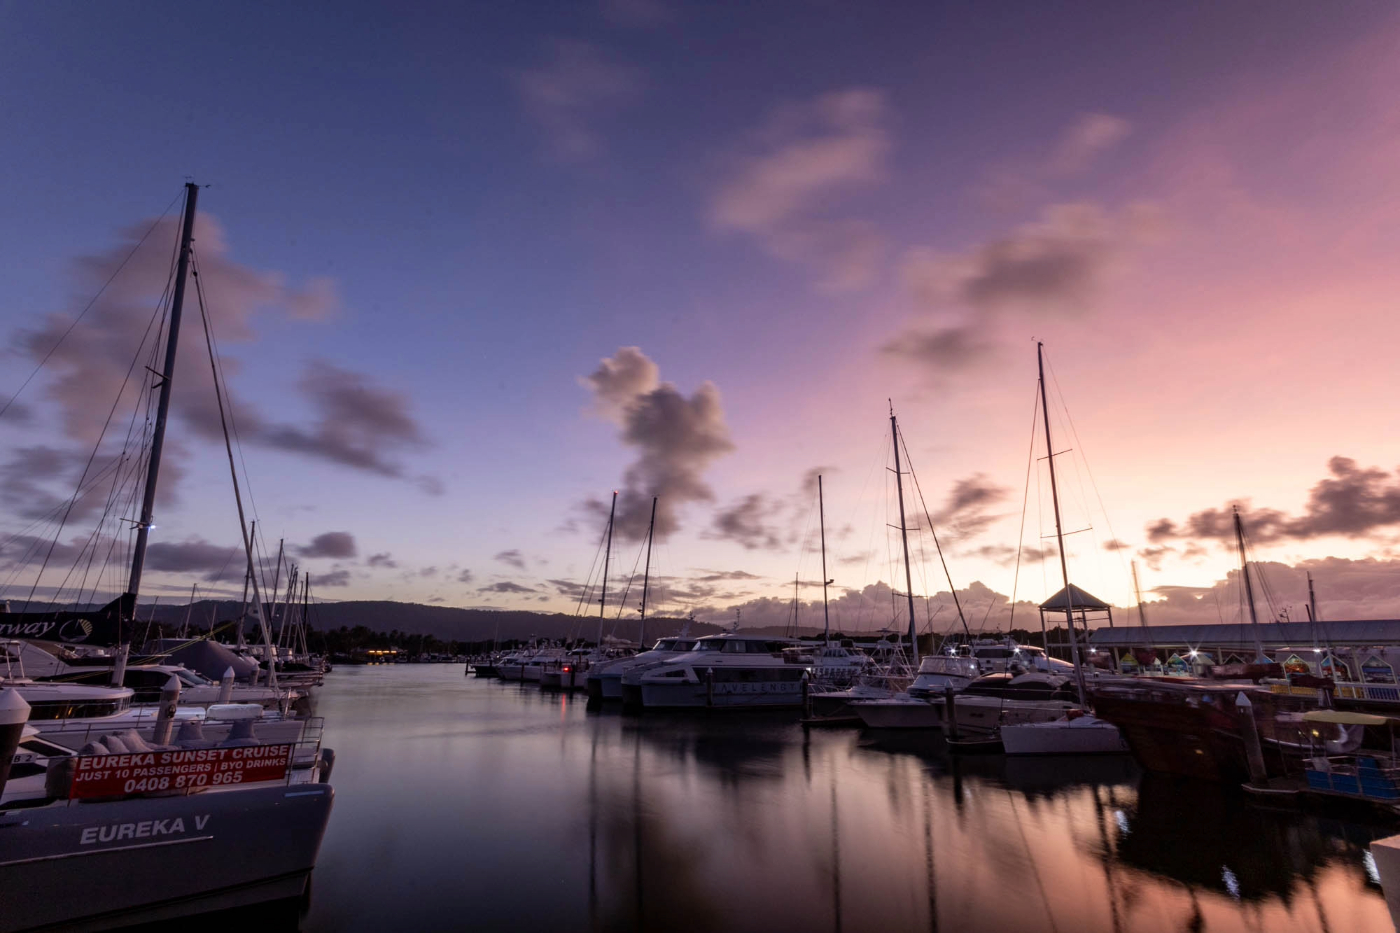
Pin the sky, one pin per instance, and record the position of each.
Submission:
(473, 268)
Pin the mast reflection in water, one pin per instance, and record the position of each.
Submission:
(464, 803)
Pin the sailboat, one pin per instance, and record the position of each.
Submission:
(1079, 732)
(604, 680)
(121, 857)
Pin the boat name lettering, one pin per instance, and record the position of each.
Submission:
(145, 829)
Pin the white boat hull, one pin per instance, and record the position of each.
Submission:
(987, 714)
(899, 714)
(725, 695)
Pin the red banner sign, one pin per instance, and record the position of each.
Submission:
(147, 772)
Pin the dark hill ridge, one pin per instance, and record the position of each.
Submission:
(444, 622)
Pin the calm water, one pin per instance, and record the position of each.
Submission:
(463, 803)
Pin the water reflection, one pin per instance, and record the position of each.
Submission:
(475, 803)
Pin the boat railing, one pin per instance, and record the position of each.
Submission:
(1344, 690)
(307, 763)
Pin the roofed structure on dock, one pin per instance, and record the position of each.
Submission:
(1236, 635)
(1072, 597)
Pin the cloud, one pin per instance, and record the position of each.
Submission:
(1153, 556)
(1087, 138)
(747, 523)
(620, 380)
(1346, 589)
(512, 557)
(1353, 502)
(780, 192)
(761, 521)
(22, 550)
(1054, 266)
(568, 587)
(195, 554)
(955, 347)
(572, 91)
(465, 576)
(357, 424)
(1113, 544)
(965, 512)
(383, 559)
(334, 578)
(1050, 264)
(26, 477)
(93, 367)
(337, 544)
(716, 576)
(676, 439)
(428, 572)
(506, 586)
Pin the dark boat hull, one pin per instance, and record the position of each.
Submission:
(1181, 741)
(105, 865)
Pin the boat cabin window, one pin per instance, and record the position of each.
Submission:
(735, 647)
(65, 709)
(716, 645)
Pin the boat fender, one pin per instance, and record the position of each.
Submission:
(241, 734)
(134, 743)
(58, 778)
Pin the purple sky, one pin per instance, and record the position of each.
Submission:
(426, 232)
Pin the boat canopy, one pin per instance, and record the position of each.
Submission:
(1346, 717)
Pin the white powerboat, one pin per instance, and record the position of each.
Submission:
(996, 700)
(605, 680)
(922, 706)
(731, 670)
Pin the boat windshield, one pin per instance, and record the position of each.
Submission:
(716, 645)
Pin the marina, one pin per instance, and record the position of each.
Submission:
(637, 465)
(750, 822)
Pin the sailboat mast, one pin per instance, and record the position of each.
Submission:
(646, 578)
(277, 579)
(177, 303)
(904, 536)
(826, 611)
(1142, 613)
(607, 556)
(1248, 587)
(243, 609)
(794, 605)
(1059, 533)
